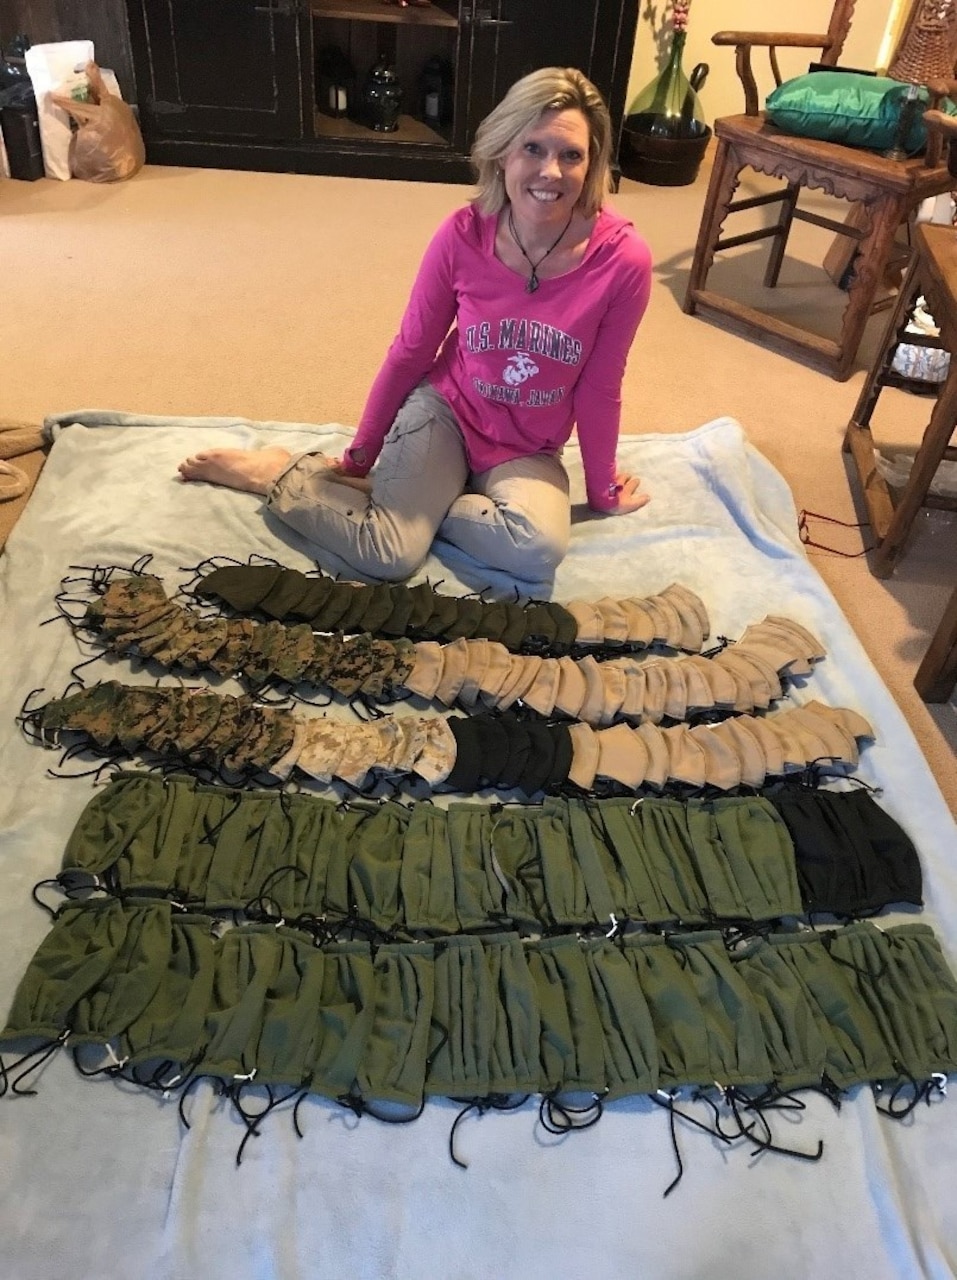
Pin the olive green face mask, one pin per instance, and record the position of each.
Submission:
(490, 1016)
(379, 953)
(564, 864)
(568, 861)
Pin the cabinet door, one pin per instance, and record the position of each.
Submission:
(509, 38)
(228, 67)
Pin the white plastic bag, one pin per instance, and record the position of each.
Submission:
(896, 469)
(53, 69)
(921, 364)
(940, 209)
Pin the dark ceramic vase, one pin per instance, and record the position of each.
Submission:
(382, 99)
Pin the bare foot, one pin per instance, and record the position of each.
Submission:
(252, 470)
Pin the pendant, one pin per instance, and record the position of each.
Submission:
(532, 282)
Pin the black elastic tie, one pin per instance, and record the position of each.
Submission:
(303, 1094)
(154, 1081)
(672, 1129)
(559, 1118)
(490, 1102)
(831, 1090)
(42, 884)
(111, 1068)
(664, 1100)
(188, 1088)
(266, 907)
(828, 939)
(253, 1120)
(352, 1103)
(40, 1054)
(212, 830)
(87, 662)
(737, 1098)
(443, 1039)
(471, 1106)
(922, 1091)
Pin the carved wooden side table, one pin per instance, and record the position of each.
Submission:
(886, 191)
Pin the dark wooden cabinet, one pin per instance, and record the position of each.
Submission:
(233, 83)
(509, 38)
(219, 68)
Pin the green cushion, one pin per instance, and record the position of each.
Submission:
(842, 106)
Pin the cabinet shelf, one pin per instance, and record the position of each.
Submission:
(378, 11)
(410, 130)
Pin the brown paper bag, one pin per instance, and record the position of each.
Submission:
(107, 146)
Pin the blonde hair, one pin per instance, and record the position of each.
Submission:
(548, 89)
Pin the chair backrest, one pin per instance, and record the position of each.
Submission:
(837, 29)
(830, 45)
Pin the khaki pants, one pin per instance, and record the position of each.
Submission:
(515, 517)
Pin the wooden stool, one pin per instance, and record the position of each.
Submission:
(885, 191)
(933, 274)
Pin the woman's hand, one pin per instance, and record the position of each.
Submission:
(352, 464)
(338, 469)
(630, 497)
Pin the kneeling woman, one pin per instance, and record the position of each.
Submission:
(517, 330)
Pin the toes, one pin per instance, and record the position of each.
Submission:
(193, 468)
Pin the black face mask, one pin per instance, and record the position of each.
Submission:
(852, 857)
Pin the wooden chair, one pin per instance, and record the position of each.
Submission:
(882, 192)
(934, 275)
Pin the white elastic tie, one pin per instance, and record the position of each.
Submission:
(117, 1062)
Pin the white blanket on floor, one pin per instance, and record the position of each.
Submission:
(100, 1179)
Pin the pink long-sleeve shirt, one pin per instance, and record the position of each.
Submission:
(519, 370)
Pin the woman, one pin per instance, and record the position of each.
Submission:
(517, 330)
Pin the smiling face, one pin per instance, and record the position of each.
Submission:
(546, 167)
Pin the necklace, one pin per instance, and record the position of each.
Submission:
(533, 280)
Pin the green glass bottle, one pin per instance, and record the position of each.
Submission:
(669, 107)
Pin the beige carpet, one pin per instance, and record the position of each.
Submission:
(275, 296)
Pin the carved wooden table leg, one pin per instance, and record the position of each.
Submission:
(785, 218)
(937, 673)
(858, 441)
(721, 189)
(867, 277)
